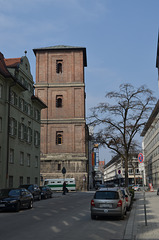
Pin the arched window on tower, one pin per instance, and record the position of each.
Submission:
(59, 137)
(59, 66)
(59, 101)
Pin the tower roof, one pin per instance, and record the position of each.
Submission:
(62, 48)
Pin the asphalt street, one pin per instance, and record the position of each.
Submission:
(61, 217)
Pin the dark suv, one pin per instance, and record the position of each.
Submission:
(34, 189)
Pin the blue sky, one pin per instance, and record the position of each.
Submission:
(120, 37)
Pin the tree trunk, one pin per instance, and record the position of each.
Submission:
(126, 173)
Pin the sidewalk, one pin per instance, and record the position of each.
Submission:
(136, 227)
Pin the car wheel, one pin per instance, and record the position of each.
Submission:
(30, 204)
(17, 207)
(93, 216)
(122, 216)
(46, 196)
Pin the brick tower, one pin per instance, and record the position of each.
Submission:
(60, 84)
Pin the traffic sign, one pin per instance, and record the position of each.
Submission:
(140, 158)
(63, 170)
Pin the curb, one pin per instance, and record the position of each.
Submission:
(131, 228)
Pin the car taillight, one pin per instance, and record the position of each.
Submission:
(126, 199)
(92, 203)
(119, 203)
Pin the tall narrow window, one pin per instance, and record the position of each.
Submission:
(28, 180)
(21, 158)
(10, 181)
(59, 166)
(59, 101)
(36, 138)
(59, 138)
(36, 180)
(11, 156)
(21, 180)
(28, 160)
(59, 66)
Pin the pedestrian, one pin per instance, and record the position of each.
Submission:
(64, 188)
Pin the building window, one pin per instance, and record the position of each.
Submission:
(21, 104)
(12, 127)
(59, 101)
(21, 180)
(36, 138)
(29, 135)
(36, 180)
(10, 181)
(21, 131)
(11, 156)
(59, 138)
(59, 66)
(13, 98)
(29, 109)
(37, 114)
(21, 158)
(28, 160)
(28, 180)
(36, 161)
(59, 166)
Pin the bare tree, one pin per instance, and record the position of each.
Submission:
(121, 119)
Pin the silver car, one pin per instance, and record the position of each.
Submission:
(128, 197)
(108, 202)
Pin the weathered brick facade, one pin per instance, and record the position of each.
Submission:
(60, 84)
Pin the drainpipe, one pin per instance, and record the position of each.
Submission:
(7, 163)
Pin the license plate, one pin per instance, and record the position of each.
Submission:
(104, 205)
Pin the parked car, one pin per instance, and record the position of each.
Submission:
(108, 202)
(15, 198)
(101, 186)
(137, 187)
(46, 192)
(34, 189)
(128, 197)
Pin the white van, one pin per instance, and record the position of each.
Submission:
(57, 184)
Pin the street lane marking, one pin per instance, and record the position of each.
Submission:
(66, 223)
(55, 229)
(76, 218)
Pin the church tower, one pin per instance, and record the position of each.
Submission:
(60, 85)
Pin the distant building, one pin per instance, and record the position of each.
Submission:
(19, 124)
(60, 84)
(114, 171)
(150, 144)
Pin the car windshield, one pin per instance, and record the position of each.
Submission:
(9, 192)
(106, 195)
